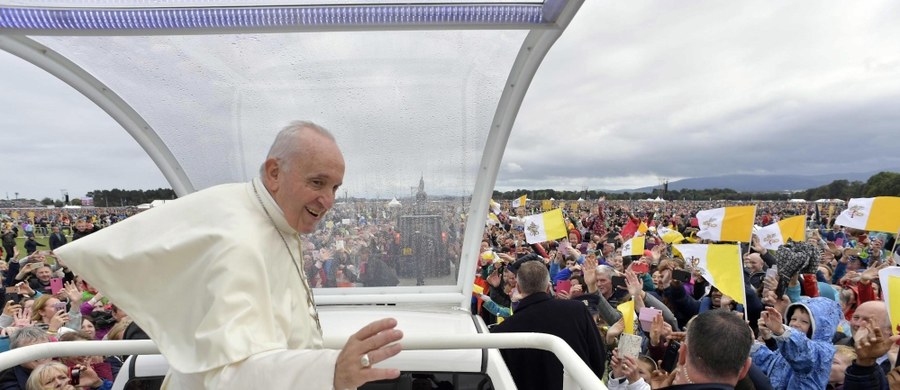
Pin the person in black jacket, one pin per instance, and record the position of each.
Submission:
(31, 245)
(57, 239)
(83, 228)
(540, 312)
(871, 343)
(9, 242)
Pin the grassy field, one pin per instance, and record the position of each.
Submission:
(20, 243)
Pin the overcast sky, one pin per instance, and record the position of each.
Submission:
(632, 93)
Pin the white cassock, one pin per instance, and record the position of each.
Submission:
(211, 281)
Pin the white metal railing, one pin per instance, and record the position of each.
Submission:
(577, 374)
(18, 356)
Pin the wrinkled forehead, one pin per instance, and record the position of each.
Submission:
(872, 310)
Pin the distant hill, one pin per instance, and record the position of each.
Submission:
(763, 183)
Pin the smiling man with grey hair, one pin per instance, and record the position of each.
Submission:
(231, 306)
(15, 377)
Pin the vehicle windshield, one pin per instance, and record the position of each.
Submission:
(410, 93)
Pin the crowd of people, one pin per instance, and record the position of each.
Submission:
(813, 310)
(46, 302)
(829, 308)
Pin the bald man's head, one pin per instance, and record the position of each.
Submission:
(874, 312)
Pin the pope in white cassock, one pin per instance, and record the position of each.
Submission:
(215, 278)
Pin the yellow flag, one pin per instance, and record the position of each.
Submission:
(520, 201)
(546, 205)
(880, 214)
(627, 310)
(545, 226)
(894, 310)
(890, 285)
(775, 235)
(669, 235)
(642, 228)
(634, 247)
(720, 265)
(733, 223)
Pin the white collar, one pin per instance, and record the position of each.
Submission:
(272, 208)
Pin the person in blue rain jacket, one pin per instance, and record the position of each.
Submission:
(803, 350)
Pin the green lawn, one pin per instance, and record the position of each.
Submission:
(20, 243)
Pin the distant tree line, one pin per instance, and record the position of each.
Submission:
(880, 184)
(117, 198)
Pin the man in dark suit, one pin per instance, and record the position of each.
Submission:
(539, 312)
(57, 239)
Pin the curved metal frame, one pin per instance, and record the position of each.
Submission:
(575, 369)
(531, 54)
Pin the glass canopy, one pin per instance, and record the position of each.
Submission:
(421, 98)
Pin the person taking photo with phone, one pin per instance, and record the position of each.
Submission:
(55, 316)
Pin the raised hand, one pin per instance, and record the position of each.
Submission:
(725, 301)
(871, 273)
(871, 343)
(590, 273)
(631, 281)
(615, 364)
(659, 330)
(764, 332)
(754, 243)
(661, 378)
(773, 321)
(576, 290)
(59, 319)
(615, 330)
(89, 378)
(22, 318)
(10, 308)
(24, 289)
(72, 292)
(494, 279)
(630, 369)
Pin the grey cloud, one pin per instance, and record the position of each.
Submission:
(632, 92)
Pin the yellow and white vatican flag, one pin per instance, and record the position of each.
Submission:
(890, 283)
(634, 246)
(775, 235)
(545, 226)
(520, 201)
(495, 207)
(669, 235)
(880, 214)
(642, 229)
(492, 220)
(720, 265)
(727, 223)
